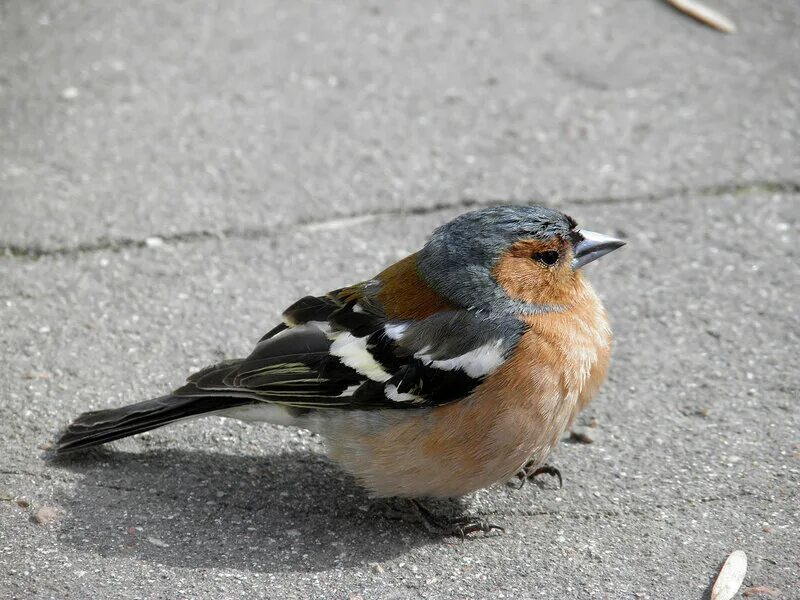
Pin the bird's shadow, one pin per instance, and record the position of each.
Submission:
(292, 511)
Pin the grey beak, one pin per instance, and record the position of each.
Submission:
(592, 246)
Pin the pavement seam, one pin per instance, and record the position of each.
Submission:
(34, 252)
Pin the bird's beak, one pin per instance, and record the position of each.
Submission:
(592, 246)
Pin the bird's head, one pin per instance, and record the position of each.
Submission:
(517, 258)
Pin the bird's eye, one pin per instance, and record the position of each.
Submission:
(548, 257)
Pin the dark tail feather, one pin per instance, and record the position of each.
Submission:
(101, 426)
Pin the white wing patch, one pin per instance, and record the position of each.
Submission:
(476, 363)
(393, 394)
(351, 389)
(395, 331)
(353, 352)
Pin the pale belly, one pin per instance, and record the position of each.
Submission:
(446, 452)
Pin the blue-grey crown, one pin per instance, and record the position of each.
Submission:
(458, 259)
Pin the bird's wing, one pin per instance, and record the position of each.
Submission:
(342, 351)
(292, 367)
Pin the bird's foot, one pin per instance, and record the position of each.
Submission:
(463, 526)
(460, 526)
(531, 471)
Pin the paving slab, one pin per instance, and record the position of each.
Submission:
(695, 451)
(122, 121)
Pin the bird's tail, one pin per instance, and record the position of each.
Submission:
(101, 426)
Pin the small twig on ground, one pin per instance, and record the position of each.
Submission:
(730, 576)
(705, 15)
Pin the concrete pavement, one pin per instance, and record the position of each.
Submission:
(173, 174)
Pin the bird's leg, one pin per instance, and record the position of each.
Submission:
(458, 526)
(531, 471)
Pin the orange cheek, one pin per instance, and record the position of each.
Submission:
(528, 280)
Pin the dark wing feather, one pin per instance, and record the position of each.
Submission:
(341, 351)
(293, 367)
(407, 363)
(441, 358)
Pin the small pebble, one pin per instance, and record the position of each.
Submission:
(157, 542)
(70, 93)
(579, 436)
(44, 515)
(154, 242)
(7, 496)
(37, 375)
(22, 502)
(594, 423)
(376, 568)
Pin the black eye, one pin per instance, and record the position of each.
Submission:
(548, 257)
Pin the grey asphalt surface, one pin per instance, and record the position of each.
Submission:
(173, 174)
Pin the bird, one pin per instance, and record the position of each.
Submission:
(455, 368)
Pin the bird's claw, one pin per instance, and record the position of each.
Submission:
(463, 526)
(531, 471)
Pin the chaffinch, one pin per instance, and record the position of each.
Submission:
(449, 371)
